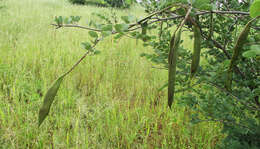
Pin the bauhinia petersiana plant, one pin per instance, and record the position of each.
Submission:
(224, 88)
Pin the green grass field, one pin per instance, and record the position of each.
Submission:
(110, 100)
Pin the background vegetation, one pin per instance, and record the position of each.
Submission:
(105, 3)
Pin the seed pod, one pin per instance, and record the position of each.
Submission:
(196, 50)
(172, 60)
(144, 30)
(48, 99)
(236, 52)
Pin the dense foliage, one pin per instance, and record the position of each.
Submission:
(77, 1)
(106, 3)
(238, 109)
(224, 87)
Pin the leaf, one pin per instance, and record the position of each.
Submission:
(93, 34)
(108, 27)
(125, 19)
(59, 20)
(67, 20)
(253, 52)
(121, 27)
(255, 47)
(118, 36)
(48, 99)
(202, 4)
(214, 6)
(106, 33)
(96, 52)
(87, 46)
(75, 18)
(128, 19)
(255, 9)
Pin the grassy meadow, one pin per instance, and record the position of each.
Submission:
(110, 100)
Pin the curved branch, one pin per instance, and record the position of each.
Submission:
(76, 26)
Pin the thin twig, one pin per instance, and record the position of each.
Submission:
(149, 16)
(76, 26)
(80, 60)
(232, 95)
(174, 16)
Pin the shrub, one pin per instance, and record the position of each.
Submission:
(81, 2)
(105, 3)
(119, 3)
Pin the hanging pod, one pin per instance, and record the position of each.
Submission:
(241, 40)
(172, 60)
(48, 99)
(196, 50)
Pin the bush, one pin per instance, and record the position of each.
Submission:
(81, 2)
(101, 3)
(105, 3)
(119, 3)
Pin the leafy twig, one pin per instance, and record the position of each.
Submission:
(86, 53)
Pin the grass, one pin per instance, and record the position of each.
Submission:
(110, 100)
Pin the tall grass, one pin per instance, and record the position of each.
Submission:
(110, 101)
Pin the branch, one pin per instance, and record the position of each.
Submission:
(149, 16)
(230, 12)
(76, 26)
(174, 16)
(230, 94)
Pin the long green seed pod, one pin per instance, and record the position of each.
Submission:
(172, 60)
(236, 52)
(48, 99)
(196, 50)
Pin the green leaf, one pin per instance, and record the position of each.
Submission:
(48, 99)
(59, 20)
(253, 52)
(93, 34)
(75, 18)
(255, 47)
(128, 19)
(67, 20)
(106, 33)
(121, 27)
(255, 9)
(96, 52)
(214, 6)
(125, 19)
(202, 4)
(87, 46)
(118, 36)
(108, 27)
